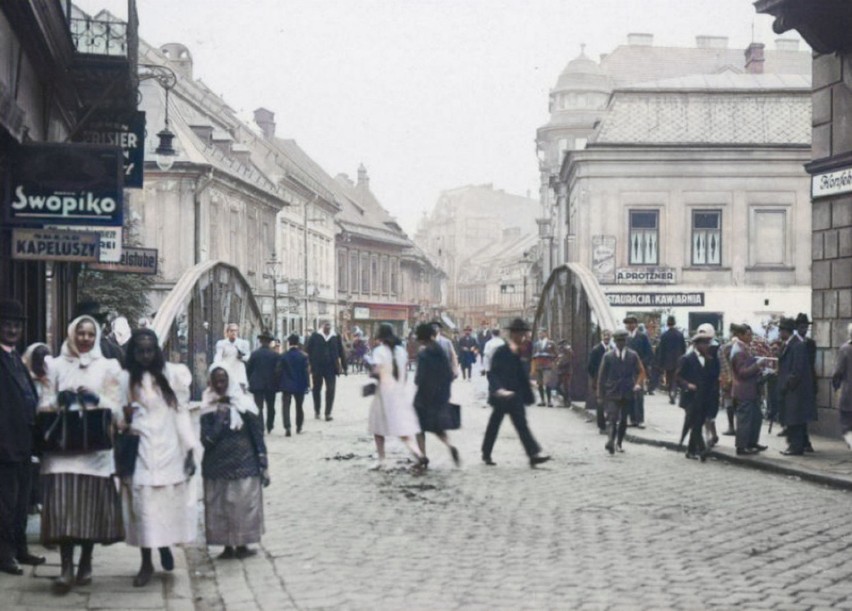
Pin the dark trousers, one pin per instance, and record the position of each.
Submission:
(797, 437)
(269, 397)
(749, 420)
(285, 409)
(518, 414)
(592, 403)
(15, 482)
(694, 423)
(330, 380)
(637, 407)
(617, 413)
(671, 387)
(466, 371)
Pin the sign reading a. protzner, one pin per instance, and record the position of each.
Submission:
(68, 184)
(133, 261)
(125, 130)
(656, 299)
(831, 183)
(645, 275)
(55, 245)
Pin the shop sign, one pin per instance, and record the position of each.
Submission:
(126, 131)
(656, 300)
(132, 261)
(361, 313)
(603, 258)
(831, 183)
(110, 250)
(68, 184)
(645, 275)
(55, 245)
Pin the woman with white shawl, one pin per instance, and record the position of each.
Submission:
(81, 503)
(234, 467)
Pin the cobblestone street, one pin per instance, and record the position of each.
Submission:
(645, 529)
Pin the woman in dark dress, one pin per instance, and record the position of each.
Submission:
(234, 467)
(433, 379)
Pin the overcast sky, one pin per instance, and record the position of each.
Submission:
(428, 94)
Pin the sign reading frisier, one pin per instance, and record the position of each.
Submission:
(71, 184)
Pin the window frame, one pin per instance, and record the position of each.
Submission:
(630, 230)
(693, 229)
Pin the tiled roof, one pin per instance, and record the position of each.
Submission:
(726, 81)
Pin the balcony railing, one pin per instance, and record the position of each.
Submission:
(93, 36)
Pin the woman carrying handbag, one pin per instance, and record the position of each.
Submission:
(81, 504)
(156, 499)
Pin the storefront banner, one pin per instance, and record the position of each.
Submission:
(603, 258)
(124, 130)
(55, 245)
(132, 261)
(68, 184)
(110, 250)
(360, 313)
(645, 275)
(656, 300)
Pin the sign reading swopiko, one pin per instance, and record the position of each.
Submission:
(68, 184)
(831, 183)
(656, 299)
(645, 275)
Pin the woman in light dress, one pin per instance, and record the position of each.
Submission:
(81, 504)
(159, 509)
(234, 467)
(392, 411)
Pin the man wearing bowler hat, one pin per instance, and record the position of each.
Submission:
(18, 401)
(795, 385)
(509, 392)
(260, 371)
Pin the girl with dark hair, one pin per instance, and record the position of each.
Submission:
(158, 506)
(392, 413)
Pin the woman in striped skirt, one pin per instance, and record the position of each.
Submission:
(81, 503)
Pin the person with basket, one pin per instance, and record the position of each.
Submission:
(155, 489)
(81, 504)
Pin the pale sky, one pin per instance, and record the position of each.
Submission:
(428, 94)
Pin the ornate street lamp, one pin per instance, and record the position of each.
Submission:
(167, 79)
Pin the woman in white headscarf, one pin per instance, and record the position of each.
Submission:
(81, 503)
(37, 359)
(234, 467)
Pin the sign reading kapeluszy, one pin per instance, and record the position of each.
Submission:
(124, 130)
(55, 245)
(68, 184)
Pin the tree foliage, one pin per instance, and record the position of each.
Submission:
(121, 294)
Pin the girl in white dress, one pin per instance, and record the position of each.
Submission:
(392, 412)
(158, 508)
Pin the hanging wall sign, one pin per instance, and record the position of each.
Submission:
(111, 237)
(126, 131)
(645, 275)
(603, 258)
(68, 184)
(55, 245)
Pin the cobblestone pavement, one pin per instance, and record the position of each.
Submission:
(646, 529)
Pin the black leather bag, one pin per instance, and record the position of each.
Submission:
(368, 390)
(68, 431)
(450, 417)
(126, 453)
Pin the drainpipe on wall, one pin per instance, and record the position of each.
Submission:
(201, 184)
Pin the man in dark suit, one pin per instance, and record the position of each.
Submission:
(672, 346)
(795, 383)
(698, 376)
(802, 324)
(325, 353)
(620, 378)
(639, 343)
(509, 392)
(292, 373)
(595, 360)
(18, 401)
(260, 371)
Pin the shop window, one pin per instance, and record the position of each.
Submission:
(353, 272)
(342, 271)
(644, 237)
(365, 274)
(707, 237)
(375, 285)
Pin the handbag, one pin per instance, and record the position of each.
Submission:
(450, 418)
(126, 452)
(368, 390)
(68, 431)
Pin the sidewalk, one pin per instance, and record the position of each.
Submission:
(830, 465)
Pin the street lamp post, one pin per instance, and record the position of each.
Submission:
(273, 264)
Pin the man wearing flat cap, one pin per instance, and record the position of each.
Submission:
(262, 380)
(795, 384)
(509, 391)
(18, 401)
(620, 377)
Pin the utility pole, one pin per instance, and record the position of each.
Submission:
(305, 247)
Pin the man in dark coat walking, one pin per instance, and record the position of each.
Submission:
(327, 359)
(18, 401)
(672, 346)
(292, 375)
(260, 371)
(509, 392)
(639, 343)
(795, 384)
(594, 364)
(620, 378)
(802, 324)
(698, 377)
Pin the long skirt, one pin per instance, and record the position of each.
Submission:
(158, 516)
(233, 511)
(80, 508)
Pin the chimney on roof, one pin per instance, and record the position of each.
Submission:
(754, 58)
(363, 177)
(265, 120)
(711, 42)
(180, 59)
(786, 44)
(640, 40)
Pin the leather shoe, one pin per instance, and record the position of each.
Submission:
(11, 567)
(487, 460)
(746, 452)
(808, 448)
(789, 452)
(30, 559)
(610, 447)
(537, 460)
(328, 418)
(759, 448)
(244, 552)
(227, 553)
